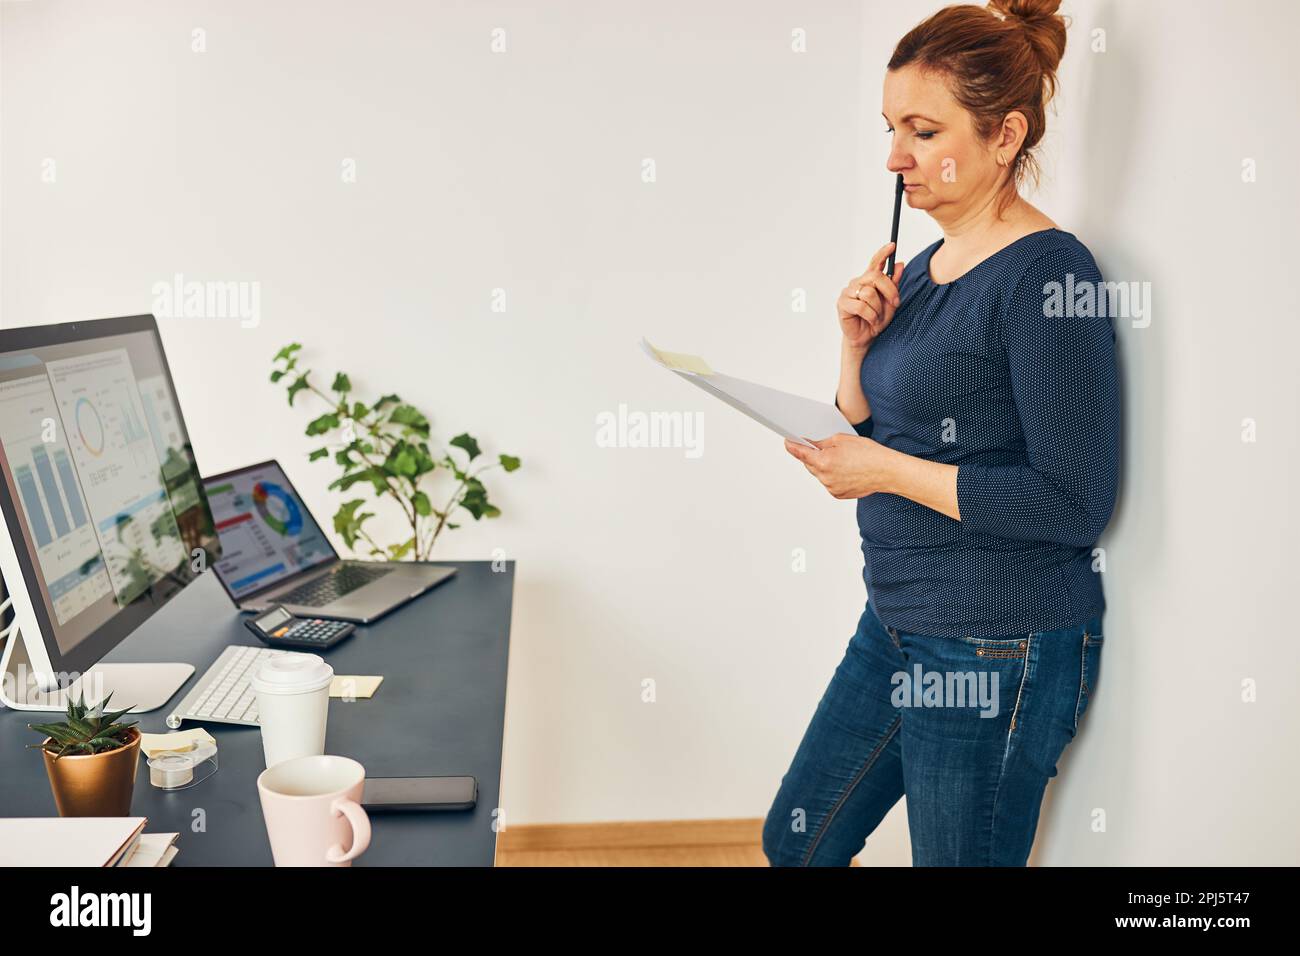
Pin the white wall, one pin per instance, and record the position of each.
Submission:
(522, 171)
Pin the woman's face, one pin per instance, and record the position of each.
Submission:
(948, 169)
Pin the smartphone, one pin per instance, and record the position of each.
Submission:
(419, 793)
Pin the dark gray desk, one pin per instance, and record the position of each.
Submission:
(440, 710)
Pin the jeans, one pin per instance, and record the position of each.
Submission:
(969, 729)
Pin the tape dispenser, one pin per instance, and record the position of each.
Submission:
(179, 769)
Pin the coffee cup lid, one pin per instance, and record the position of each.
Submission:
(292, 673)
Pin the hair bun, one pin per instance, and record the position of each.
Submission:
(1044, 29)
(1027, 10)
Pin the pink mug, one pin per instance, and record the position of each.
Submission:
(312, 805)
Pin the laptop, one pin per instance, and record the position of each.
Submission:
(274, 552)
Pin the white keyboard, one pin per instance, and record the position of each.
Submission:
(223, 694)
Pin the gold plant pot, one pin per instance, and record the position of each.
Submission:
(94, 785)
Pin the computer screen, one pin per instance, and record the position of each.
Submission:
(267, 533)
(102, 499)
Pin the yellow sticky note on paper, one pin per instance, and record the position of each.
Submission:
(181, 741)
(357, 688)
(681, 361)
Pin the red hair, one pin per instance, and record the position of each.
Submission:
(996, 59)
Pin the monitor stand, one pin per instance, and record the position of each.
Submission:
(142, 687)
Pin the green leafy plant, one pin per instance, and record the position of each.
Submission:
(87, 730)
(385, 445)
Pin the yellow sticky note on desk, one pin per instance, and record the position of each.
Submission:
(182, 741)
(353, 687)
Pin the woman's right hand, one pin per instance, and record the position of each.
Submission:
(867, 304)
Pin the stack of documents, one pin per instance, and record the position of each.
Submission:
(151, 849)
(791, 416)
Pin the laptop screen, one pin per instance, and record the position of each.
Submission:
(267, 534)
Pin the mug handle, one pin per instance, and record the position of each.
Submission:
(360, 824)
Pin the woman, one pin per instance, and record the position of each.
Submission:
(985, 467)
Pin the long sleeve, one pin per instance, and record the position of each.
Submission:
(863, 428)
(1065, 384)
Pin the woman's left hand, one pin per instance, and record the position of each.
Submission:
(850, 466)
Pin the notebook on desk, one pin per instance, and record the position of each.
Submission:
(67, 841)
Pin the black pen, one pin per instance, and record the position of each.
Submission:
(893, 230)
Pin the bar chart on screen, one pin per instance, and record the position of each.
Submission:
(66, 544)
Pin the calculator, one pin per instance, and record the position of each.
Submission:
(278, 628)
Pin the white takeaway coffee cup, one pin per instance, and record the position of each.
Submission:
(293, 695)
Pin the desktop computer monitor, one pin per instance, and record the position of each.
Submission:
(105, 518)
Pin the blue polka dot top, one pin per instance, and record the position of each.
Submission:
(1008, 373)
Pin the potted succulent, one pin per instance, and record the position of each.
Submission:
(91, 760)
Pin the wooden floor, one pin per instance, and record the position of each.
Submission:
(649, 843)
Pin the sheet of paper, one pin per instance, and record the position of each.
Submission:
(348, 685)
(150, 849)
(791, 416)
(183, 740)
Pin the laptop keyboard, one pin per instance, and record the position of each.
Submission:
(344, 579)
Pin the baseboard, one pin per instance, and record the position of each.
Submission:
(672, 843)
(626, 835)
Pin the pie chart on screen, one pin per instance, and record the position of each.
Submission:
(277, 508)
(89, 427)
